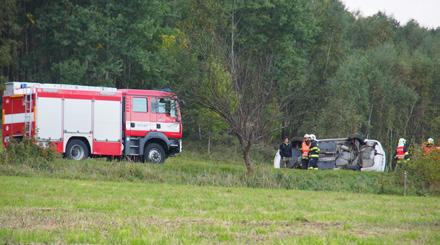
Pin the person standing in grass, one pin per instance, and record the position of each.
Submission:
(402, 153)
(313, 153)
(305, 148)
(285, 152)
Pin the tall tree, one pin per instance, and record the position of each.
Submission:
(94, 42)
(9, 31)
(249, 54)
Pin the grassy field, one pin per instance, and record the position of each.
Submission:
(195, 170)
(195, 198)
(50, 210)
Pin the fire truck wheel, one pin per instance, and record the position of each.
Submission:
(77, 150)
(154, 153)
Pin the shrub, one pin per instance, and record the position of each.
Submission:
(423, 172)
(26, 152)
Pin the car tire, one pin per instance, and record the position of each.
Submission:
(154, 153)
(77, 150)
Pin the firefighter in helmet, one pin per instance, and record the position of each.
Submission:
(428, 146)
(313, 153)
(402, 153)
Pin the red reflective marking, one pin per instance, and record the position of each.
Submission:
(16, 129)
(143, 92)
(107, 148)
(57, 146)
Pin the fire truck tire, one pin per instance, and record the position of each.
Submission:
(154, 153)
(77, 150)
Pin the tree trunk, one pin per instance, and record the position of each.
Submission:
(209, 143)
(409, 117)
(367, 134)
(200, 132)
(247, 157)
(284, 127)
(246, 151)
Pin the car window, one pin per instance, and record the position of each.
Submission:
(140, 104)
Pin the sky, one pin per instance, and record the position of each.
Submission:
(425, 12)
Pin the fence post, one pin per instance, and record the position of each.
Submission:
(405, 178)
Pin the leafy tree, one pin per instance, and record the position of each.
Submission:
(248, 54)
(9, 30)
(253, 69)
(97, 42)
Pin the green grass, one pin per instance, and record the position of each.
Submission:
(196, 168)
(195, 198)
(189, 168)
(51, 210)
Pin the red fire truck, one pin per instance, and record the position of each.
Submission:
(83, 121)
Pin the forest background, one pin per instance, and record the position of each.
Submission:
(248, 71)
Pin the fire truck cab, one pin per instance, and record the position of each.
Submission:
(83, 121)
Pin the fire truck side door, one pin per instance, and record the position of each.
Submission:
(139, 121)
(164, 110)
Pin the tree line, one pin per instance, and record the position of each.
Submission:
(253, 70)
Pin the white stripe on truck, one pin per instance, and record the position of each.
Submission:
(18, 118)
(148, 126)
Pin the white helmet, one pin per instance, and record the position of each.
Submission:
(313, 137)
(306, 136)
(431, 141)
(402, 142)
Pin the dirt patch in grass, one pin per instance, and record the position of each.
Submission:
(56, 220)
(52, 218)
(47, 219)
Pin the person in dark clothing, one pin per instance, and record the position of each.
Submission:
(285, 153)
(314, 153)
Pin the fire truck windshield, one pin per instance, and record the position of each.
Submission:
(165, 106)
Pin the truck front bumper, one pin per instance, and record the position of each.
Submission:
(175, 146)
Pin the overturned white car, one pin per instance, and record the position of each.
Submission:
(353, 153)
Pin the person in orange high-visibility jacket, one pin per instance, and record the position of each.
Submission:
(305, 149)
(402, 154)
(428, 146)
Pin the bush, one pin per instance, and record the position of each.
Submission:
(423, 172)
(26, 152)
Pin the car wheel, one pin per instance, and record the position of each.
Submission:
(154, 153)
(77, 150)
